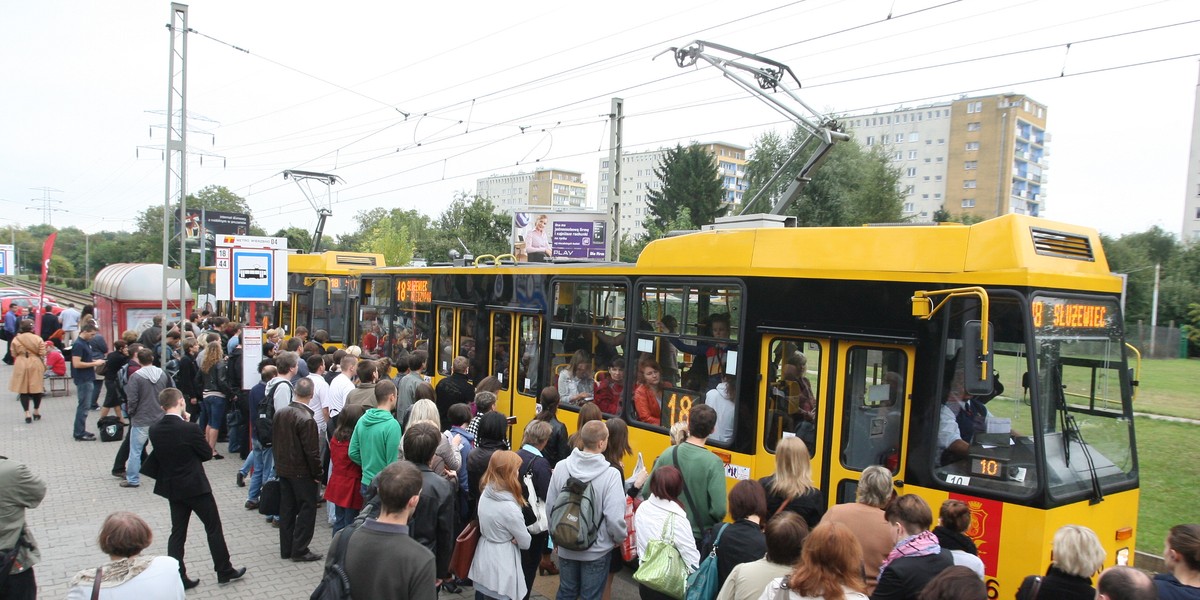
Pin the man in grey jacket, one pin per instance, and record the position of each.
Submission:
(20, 489)
(142, 391)
(583, 573)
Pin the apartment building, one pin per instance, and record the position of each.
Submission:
(638, 178)
(546, 188)
(982, 156)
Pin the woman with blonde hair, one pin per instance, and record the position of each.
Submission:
(587, 413)
(496, 569)
(830, 568)
(448, 457)
(791, 487)
(1075, 555)
(217, 393)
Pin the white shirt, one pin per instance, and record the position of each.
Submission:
(649, 521)
(319, 400)
(719, 399)
(339, 388)
(947, 429)
(281, 394)
(159, 581)
(70, 319)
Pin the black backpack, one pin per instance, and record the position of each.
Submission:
(264, 422)
(335, 584)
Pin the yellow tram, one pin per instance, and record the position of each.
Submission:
(850, 338)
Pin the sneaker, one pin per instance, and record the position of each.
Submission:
(251, 504)
(126, 484)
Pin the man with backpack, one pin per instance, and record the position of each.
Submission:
(586, 504)
(143, 409)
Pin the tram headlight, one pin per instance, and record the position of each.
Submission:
(1123, 557)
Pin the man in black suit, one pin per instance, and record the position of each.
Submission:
(179, 448)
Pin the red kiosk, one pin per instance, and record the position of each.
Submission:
(128, 296)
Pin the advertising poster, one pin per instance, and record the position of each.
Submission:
(544, 236)
(209, 224)
(6, 259)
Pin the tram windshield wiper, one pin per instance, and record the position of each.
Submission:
(1071, 432)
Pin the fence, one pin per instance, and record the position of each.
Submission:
(1156, 342)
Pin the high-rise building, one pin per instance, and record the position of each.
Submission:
(545, 188)
(638, 178)
(1191, 199)
(983, 156)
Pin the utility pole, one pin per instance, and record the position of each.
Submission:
(1154, 313)
(616, 126)
(176, 161)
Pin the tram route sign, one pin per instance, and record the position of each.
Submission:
(6, 259)
(251, 268)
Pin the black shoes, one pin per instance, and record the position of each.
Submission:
(87, 437)
(119, 474)
(190, 583)
(450, 587)
(126, 484)
(37, 417)
(218, 457)
(307, 557)
(28, 419)
(230, 576)
(251, 505)
(241, 479)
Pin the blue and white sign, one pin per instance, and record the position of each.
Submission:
(251, 269)
(6, 259)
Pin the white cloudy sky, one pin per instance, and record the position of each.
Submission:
(506, 86)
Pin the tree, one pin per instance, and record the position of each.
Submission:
(689, 180)
(852, 187)
(471, 219)
(298, 238)
(390, 236)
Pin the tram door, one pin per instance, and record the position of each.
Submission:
(872, 395)
(794, 398)
(515, 338)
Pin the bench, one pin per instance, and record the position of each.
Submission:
(58, 385)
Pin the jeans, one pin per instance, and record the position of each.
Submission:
(84, 392)
(96, 389)
(214, 411)
(237, 435)
(262, 462)
(138, 436)
(582, 579)
(343, 517)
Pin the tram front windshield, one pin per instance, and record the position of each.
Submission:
(1084, 401)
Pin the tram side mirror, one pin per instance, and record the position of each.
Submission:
(977, 359)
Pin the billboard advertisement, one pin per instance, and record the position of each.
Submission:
(207, 224)
(543, 236)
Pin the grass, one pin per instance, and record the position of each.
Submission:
(1170, 467)
(1168, 387)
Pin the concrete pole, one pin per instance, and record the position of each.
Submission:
(617, 130)
(1154, 313)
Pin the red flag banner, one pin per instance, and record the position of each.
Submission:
(47, 251)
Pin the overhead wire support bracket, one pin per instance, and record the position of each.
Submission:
(771, 76)
(323, 212)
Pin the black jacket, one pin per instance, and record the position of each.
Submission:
(557, 447)
(432, 523)
(49, 325)
(188, 379)
(296, 443)
(217, 380)
(811, 506)
(175, 463)
(1169, 588)
(1057, 585)
(905, 577)
(741, 542)
(453, 390)
(532, 463)
(953, 540)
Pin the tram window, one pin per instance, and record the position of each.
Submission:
(413, 319)
(983, 441)
(501, 337)
(445, 340)
(874, 405)
(302, 310)
(374, 320)
(335, 320)
(320, 306)
(1083, 396)
(586, 334)
(529, 345)
(687, 340)
(472, 344)
(793, 392)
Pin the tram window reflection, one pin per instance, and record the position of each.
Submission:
(793, 392)
(529, 345)
(874, 407)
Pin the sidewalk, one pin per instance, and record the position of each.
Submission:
(82, 492)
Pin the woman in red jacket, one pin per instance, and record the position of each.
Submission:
(344, 488)
(610, 388)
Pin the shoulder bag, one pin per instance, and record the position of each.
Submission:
(464, 550)
(662, 568)
(537, 505)
(96, 583)
(703, 583)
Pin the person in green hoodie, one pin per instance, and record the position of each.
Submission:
(375, 442)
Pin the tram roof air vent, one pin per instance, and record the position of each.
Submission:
(1048, 242)
(346, 259)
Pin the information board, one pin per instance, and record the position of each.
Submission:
(252, 340)
(6, 259)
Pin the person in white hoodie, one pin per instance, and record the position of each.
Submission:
(583, 573)
(662, 515)
(142, 391)
(721, 399)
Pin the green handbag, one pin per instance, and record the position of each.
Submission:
(662, 568)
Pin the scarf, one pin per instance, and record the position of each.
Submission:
(922, 544)
(115, 573)
(953, 540)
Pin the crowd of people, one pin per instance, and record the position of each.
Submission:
(426, 479)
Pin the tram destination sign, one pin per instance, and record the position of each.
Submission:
(1062, 313)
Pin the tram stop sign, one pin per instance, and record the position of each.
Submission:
(251, 268)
